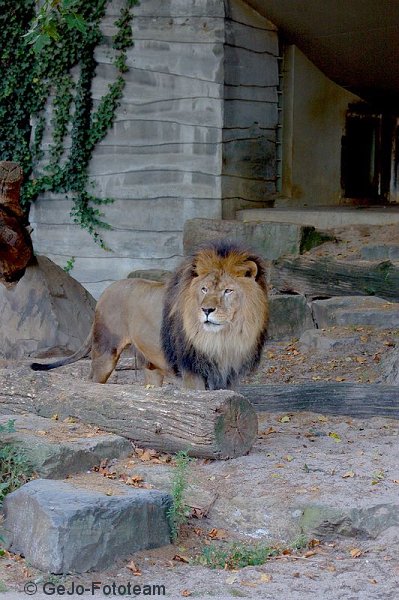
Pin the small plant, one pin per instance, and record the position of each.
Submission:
(14, 466)
(178, 512)
(300, 543)
(70, 263)
(234, 556)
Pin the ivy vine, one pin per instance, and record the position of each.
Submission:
(59, 73)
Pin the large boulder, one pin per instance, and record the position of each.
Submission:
(46, 310)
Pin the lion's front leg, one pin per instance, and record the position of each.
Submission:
(192, 381)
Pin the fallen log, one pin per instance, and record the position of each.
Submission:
(329, 398)
(325, 277)
(219, 424)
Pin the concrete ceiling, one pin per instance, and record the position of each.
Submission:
(354, 42)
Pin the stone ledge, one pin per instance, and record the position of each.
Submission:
(60, 528)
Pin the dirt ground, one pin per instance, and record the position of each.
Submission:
(299, 461)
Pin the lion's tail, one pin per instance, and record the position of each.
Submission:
(81, 353)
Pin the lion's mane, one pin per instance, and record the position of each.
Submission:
(221, 358)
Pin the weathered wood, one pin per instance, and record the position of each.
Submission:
(15, 244)
(316, 277)
(329, 398)
(220, 424)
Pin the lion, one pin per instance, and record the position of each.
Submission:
(207, 325)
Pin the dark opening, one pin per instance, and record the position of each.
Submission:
(361, 155)
(367, 154)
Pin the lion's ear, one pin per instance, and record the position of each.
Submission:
(251, 269)
(248, 269)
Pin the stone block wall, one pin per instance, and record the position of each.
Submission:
(195, 129)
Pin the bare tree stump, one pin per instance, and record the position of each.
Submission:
(16, 250)
(219, 424)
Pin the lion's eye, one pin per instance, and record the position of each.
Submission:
(204, 290)
(228, 291)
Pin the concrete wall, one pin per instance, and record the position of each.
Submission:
(314, 110)
(250, 109)
(161, 161)
(195, 130)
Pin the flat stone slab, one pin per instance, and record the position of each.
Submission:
(356, 310)
(290, 316)
(270, 240)
(60, 528)
(317, 340)
(361, 522)
(380, 252)
(58, 449)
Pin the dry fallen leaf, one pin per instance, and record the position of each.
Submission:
(186, 593)
(355, 552)
(285, 419)
(217, 534)
(348, 474)
(133, 568)
(181, 558)
(265, 578)
(268, 431)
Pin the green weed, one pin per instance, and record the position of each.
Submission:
(234, 556)
(178, 512)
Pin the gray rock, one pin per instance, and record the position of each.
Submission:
(56, 450)
(366, 523)
(290, 316)
(270, 240)
(317, 340)
(46, 310)
(60, 528)
(390, 368)
(356, 310)
(380, 252)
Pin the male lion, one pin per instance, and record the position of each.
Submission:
(207, 325)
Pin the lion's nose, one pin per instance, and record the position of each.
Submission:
(208, 311)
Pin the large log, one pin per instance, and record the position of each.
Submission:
(329, 398)
(218, 424)
(16, 250)
(325, 277)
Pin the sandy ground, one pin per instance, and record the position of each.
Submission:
(299, 460)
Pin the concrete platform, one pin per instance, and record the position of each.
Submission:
(324, 217)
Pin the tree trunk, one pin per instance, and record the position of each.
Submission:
(16, 250)
(217, 424)
(329, 398)
(315, 277)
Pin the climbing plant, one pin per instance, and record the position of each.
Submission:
(47, 67)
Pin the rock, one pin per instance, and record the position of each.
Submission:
(55, 450)
(153, 274)
(366, 522)
(380, 252)
(270, 240)
(390, 368)
(316, 340)
(46, 310)
(60, 528)
(290, 316)
(356, 310)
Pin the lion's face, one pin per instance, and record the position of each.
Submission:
(224, 304)
(219, 298)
